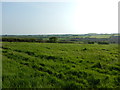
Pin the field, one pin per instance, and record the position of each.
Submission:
(59, 65)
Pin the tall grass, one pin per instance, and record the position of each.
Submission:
(53, 65)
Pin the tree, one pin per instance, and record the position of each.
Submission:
(53, 39)
(103, 42)
(90, 42)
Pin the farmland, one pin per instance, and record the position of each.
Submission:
(59, 65)
(65, 38)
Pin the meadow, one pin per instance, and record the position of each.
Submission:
(59, 65)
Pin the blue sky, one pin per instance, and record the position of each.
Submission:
(37, 18)
(59, 17)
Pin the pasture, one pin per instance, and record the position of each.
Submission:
(59, 65)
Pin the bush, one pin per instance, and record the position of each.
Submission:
(90, 42)
(53, 39)
(103, 42)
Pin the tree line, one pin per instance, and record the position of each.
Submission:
(11, 39)
(50, 40)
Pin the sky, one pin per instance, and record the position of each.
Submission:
(59, 17)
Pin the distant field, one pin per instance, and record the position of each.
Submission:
(63, 36)
(100, 36)
(93, 36)
(55, 65)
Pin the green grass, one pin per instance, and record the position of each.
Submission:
(93, 36)
(53, 65)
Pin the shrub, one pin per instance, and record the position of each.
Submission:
(103, 42)
(90, 42)
(53, 39)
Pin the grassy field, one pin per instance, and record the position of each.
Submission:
(53, 65)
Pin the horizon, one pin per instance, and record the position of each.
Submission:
(59, 34)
